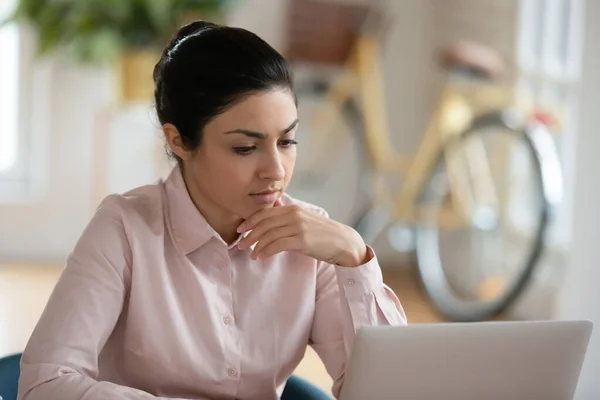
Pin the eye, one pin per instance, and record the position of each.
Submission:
(288, 143)
(244, 150)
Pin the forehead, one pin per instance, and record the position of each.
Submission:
(268, 112)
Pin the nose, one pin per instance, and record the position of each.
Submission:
(272, 167)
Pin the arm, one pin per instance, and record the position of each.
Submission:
(346, 299)
(60, 361)
(350, 292)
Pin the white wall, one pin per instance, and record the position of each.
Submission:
(580, 298)
(48, 227)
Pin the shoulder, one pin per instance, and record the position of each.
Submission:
(129, 214)
(289, 200)
(117, 220)
(144, 202)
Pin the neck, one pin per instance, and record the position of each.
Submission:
(226, 229)
(224, 223)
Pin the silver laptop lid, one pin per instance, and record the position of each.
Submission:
(487, 360)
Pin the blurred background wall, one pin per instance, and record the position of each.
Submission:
(579, 296)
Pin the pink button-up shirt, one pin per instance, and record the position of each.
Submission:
(154, 304)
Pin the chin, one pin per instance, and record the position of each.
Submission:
(252, 208)
(256, 207)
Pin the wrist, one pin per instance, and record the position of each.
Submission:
(355, 252)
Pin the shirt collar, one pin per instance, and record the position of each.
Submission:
(188, 226)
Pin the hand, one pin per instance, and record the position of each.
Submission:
(291, 227)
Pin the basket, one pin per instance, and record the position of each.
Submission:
(323, 32)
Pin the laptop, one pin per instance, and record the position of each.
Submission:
(479, 361)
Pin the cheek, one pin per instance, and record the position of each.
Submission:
(234, 173)
(221, 172)
(235, 178)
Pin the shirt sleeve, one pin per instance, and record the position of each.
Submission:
(60, 361)
(346, 299)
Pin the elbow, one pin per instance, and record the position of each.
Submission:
(43, 382)
(52, 389)
(28, 395)
(31, 393)
(28, 390)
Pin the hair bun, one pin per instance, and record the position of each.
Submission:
(194, 27)
(184, 32)
(191, 29)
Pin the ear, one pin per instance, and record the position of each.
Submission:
(174, 141)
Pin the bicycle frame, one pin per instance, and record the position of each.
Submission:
(452, 116)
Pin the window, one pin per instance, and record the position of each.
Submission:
(9, 95)
(25, 100)
(549, 52)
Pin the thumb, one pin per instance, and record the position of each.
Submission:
(278, 203)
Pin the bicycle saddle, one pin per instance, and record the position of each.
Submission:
(474, 57)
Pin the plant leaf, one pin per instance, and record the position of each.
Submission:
(97, 30)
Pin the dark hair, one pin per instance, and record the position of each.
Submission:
(207, 68)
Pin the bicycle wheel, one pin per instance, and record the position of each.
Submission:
(484, 214)
(330, 165)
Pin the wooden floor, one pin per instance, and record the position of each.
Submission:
(24, 290)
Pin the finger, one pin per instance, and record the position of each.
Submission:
(274, 234)
(260, 215)
(283, 244)
(278, 203)
(266, 225)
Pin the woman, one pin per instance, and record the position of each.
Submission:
(211, 283)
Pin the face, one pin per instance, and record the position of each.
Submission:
(246, 157)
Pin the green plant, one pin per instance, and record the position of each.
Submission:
(98, 31)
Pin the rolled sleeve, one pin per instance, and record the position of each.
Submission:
(347, 299)
(362, 280)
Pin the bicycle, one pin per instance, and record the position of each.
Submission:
(450, 189)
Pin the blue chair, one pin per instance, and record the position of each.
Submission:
(9, 376)
(295, 389)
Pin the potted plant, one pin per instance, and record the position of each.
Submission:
(130, 33)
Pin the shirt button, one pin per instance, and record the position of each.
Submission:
(231, 372)
(350, 282)
(227, 320)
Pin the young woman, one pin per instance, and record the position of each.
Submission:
(211, 283)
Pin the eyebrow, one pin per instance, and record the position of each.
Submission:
(259, 135)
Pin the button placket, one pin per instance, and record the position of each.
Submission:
(224, 261)
(232, 355)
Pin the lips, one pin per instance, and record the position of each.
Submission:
(270, 191)
(266, 196)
